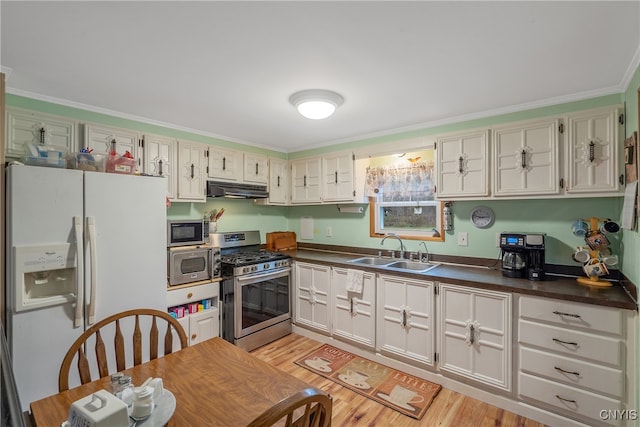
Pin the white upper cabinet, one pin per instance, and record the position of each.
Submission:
(191, 171)
(338, 183)
(591, 156)
(161, 155)
(225, 164)
(24, 126)
(305, 181)
(463, 165)
(525, 158)
(101, 139)
(256, 169)
(279, 180)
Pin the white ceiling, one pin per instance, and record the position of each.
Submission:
(227, 69)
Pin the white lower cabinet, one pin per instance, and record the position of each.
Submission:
(354, 312)
(312, 296)
(405, 319)
(201, 325)
(474, 331)
(572, 359)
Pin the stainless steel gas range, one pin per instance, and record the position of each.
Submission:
(255, 290)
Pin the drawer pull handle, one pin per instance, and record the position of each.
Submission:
(560, 313)
(577, 374)
(564, 342)
(190, 294)
(566, 400)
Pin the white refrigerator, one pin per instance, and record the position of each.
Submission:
(80, 247)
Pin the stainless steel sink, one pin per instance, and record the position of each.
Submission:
(414, 266)
(372, 261)
(411, 265)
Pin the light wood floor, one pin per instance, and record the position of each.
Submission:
(449, 409)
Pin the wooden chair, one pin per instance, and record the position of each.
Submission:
(317, 406)
(119, 344)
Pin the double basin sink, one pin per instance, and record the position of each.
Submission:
(394, 264)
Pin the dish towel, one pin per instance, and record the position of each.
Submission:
(355, 280)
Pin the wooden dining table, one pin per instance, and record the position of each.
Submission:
(214, 382)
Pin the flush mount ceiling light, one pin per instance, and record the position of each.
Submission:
(316, 104)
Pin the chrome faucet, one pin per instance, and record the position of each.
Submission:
(426, 252)
(402, 248)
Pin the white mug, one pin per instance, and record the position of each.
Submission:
(581, 254)
(404, 396)
(357, 378)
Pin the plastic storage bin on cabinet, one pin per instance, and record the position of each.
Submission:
(120, 164)
(87, 162)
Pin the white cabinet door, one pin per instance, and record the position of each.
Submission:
(312, 283)
(279, 179)
(338, 182)
(160, 154)
(25, 127)
(305, 177)
(405, 318)
(475, 334)
(191, 171)
(463, 165)
(354, 312)
(525, 159)
(224, 164)
(591, 164)
(256, 169)
(203, 325)
(102, 139)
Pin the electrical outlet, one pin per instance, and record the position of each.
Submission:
(329, 232)
(497, 240)
(463, 238)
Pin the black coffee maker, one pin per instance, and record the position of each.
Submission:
(522, 255)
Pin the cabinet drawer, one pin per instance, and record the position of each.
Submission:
(565, 398)
(573, 372)
(573, 343)
(192, 294)
(592, 317)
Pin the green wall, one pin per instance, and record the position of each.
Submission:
(552, 216)
(631, 239)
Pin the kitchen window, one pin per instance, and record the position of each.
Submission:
(401, 193)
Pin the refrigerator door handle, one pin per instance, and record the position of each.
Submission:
(91, 231)
(79, 315)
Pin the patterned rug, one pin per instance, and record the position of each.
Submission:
(405, 393)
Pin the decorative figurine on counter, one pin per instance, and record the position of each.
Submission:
(596, 257)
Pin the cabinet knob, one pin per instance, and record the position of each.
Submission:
(190, 295)
(193, 336)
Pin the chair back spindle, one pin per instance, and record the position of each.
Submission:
(119, 344)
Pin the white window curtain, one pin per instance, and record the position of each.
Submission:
(401, 183)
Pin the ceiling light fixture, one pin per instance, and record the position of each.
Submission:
(316, 104)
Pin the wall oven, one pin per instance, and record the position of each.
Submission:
(256, 291)
(188, 264)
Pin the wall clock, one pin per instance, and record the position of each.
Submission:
(482, 217)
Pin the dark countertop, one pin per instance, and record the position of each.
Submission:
(558, 287)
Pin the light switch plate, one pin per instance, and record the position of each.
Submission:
(463, 238)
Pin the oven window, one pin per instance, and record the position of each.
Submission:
(193, 265)
(264, 300)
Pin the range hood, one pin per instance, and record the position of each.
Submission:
(236, 191)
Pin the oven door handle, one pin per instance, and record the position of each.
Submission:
(263, 276)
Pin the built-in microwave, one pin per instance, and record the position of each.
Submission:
(192, 264)
(185, 232)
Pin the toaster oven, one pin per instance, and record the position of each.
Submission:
(192, 264)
